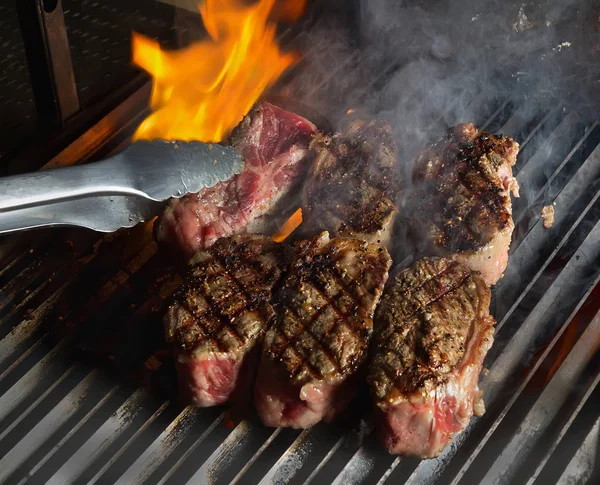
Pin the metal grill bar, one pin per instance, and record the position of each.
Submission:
(65, 422)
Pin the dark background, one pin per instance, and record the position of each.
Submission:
(99, 33)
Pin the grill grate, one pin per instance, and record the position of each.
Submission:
(87, 391)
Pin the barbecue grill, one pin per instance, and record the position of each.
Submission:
(88, 391)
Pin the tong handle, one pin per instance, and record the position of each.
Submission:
(40, 188)
(155, 170)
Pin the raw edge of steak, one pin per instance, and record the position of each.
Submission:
(274, 145)
(214, 379)
(284, 405)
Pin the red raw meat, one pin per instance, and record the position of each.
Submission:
(274, 144)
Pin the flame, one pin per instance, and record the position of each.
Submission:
(288, 227)
(581, 322)
(203, 91)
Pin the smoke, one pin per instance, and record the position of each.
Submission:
(427, 65)
(513, 68)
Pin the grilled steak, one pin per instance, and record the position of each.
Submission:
(432, 332)
(313, 354)
(353, 183)
(461, 203)
(274, 145)
(220, 313)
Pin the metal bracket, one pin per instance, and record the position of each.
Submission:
(49, 60)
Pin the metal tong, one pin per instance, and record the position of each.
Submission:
(120, 191)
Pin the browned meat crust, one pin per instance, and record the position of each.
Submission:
(353, 182)
(432, 332)
(460, 193)
(312, 355)
(460, 206)
(219, 315)
(225, 300)
(464, 199)
(327, 304)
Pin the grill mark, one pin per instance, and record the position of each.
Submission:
(438, 297)
(476, 156)
(492, 189)
(340, 314)
(262, 273)
(340, 320)
(305, 328)
(452, 264)
(397, 373)
(213, 341)
(346, 291)
(236, 267)
(214, 311)
(476, 200)
(214, 305)
(350, 158)
(315, 373)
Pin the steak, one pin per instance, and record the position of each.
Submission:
(219, 315)
(432, 332)
(274, 145)
(353, 183)
(461, 203)
(313, 355)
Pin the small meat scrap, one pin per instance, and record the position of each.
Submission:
(219, 315)
(314, 353)
(548, 216)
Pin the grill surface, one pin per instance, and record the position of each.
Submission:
(87, 390)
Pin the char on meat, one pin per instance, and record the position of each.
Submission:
(274, 145)
(432, 332)
(461, 205)
(353, 183)
(219, 315)
(313, 355)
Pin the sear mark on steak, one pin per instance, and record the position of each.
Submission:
(353, 182)
(461, 202)
(274, 145)
(432, 332)
(220, 313)
(313, 354)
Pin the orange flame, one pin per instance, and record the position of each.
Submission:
(203, 91)
(288, 227)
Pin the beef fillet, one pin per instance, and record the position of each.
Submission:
(313, 354)
(219, 315)
(274, 145)
(461, 204)
(432, 332)
(353, 183)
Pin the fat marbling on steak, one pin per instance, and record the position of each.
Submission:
(220, 313)
(314, 353)
(353, 182)
(274, 145)
(432, 332)
(461, 203)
